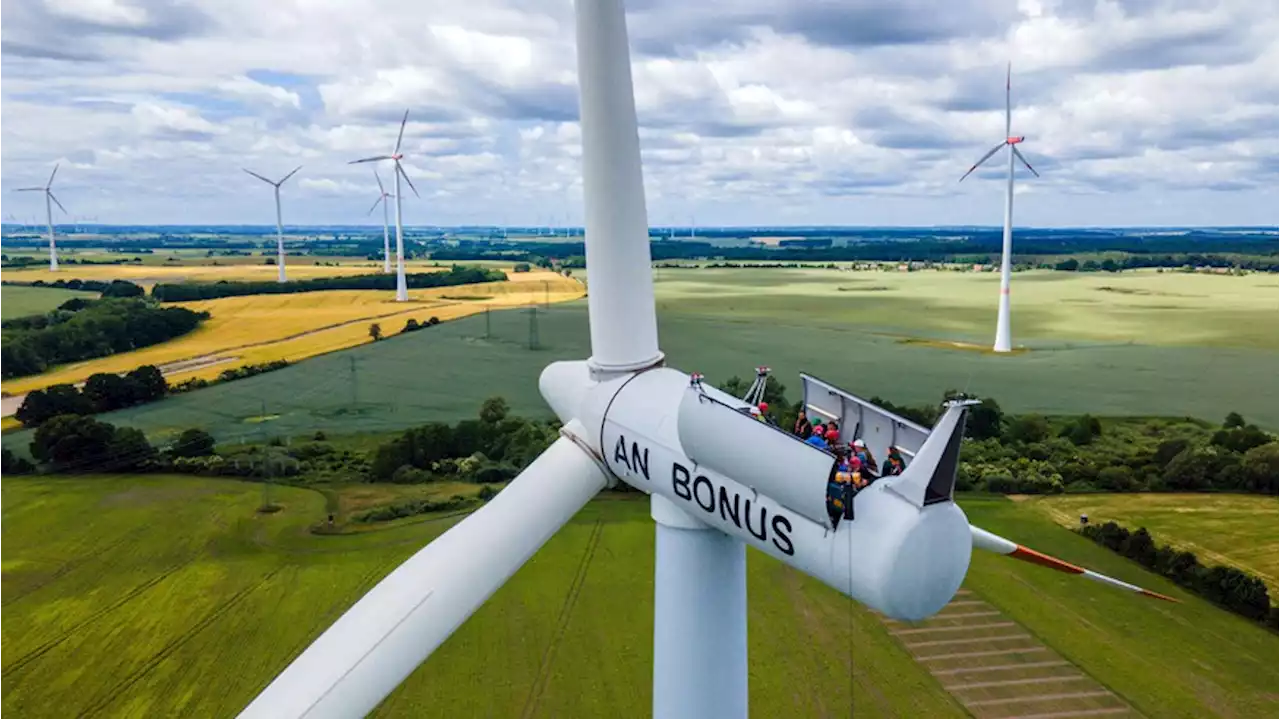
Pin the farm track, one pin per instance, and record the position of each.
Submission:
(996, 669)
(66, 567)
(115, 691)
(67, 633)
(562, 622)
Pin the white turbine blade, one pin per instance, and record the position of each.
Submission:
(52, 174)
(381, 190)
(291, 174)
(59, 204)
(400, 137)
(31, 189)
(1008, 105)
(982, 539)
(1018, 154)
(985, 157)
(381, 199)
(260, 177)
(378, 642)
(406, 179)
(624, 328)
(370, 159)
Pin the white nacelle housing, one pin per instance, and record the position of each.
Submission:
(903, 554)
(764, 458)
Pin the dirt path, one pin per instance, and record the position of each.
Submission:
(996, 669)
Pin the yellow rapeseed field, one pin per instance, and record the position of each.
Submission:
(260, 328)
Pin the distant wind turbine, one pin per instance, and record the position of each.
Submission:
(386, 233)
(1003, 341)
(402, 288)
(279, 223)
(49, 201)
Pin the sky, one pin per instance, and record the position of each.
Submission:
(752, 112)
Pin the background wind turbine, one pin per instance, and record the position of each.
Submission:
(386, 240)
(402, 288)
(49, 201)
(629, 418)
(1003, 341)
(279, 223)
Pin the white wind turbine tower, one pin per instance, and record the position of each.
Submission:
(280, 274)
(1003, 341)
(49, 201)
(386, 238)
(628, 418)
(402, 287)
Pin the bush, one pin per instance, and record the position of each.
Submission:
(409, 509)
(408, 474)
(1027, 429)
(521, 267)
(14, 465)
(193, 443)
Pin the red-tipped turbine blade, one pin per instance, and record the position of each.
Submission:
(406, 179)
(1024, 161)
(260, 177)
(982, 539)
(291, 174)
(51, 175)
(370, 159)
(59, 204)
(985, 157)
(400, 137)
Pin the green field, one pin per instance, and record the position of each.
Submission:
(1109, 352)
(170, 596)
(1232, 529)
(21, 301)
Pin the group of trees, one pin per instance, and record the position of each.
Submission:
(229, 375)
(456, 275)
(1228, 587)
(114, 288)
(102, 392)
(492, 448)
(81, 330)
(1190, 259)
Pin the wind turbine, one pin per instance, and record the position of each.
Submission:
(386, 241)
(402, 288)
(279, 223)
(714, 488)
(49, 201)
(1003, 341)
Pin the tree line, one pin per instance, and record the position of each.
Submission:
(106, 391)
(1248, 252)
(1228, 587)
(456, 275)
(114, 288)
(84, 329)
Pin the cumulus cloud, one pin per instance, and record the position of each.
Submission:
(751, 111)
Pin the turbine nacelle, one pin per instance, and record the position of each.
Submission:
(1015, 140)
(664, 433)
